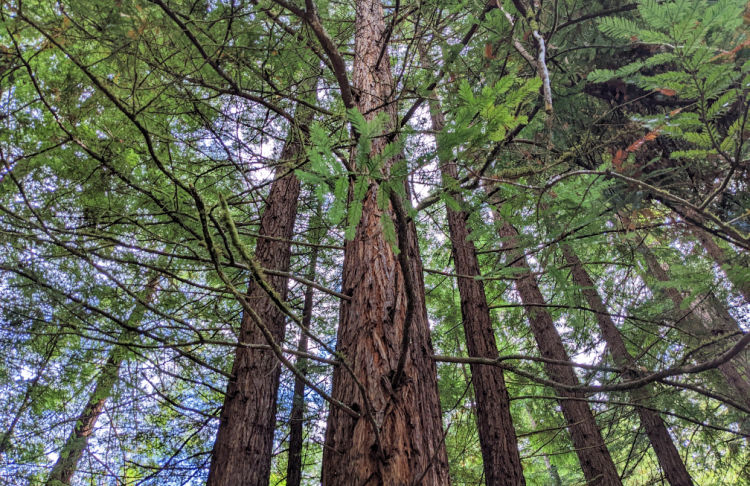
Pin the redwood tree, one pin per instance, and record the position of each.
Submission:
(593, 455)
(242, 452)
(497, 437)
(383, 334)
(666, 452)
(702, 321)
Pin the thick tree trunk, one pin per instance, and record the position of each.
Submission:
(296, 417)
(704, 321)
(596, 463)
(397, 440)
(72, 451)
(244, 442)
(497, 437)
(666, 452)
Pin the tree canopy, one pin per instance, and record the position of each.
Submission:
(528, 209)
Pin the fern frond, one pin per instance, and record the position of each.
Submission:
(618, 27)
(722, 104)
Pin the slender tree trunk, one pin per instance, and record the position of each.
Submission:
(397, 440)
(72, 451)
(596, 463)
(666, 452)
(296, 417)
(497, 437)
(704, 321)
(244, 442)
(551, 468)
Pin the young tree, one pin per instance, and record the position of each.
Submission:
(296, 416)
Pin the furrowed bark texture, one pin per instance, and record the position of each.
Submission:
(76, 443)
(497, 437)
(407, 448)
(596, 463)
(244, 442)
(666, 452)
(296, 417)
(704, 321)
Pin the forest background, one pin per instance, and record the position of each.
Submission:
(485, 243)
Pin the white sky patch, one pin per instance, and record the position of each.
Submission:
(26, 373)
(591, 356)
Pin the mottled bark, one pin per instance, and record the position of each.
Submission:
(244, 442)
(76, 443)
(596, 463)
(702, 322)
(405, 444)
(296, 417)
(656, 430)
(497, 437)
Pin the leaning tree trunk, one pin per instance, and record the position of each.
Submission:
(666, 452)
(72, 451)
(397, 438)
(497, 437)
(244, 442)
(721, 257)
(703, 322)
(296, 417)
(596, 463)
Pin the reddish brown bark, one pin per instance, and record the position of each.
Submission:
(596, 463)
(405, 444)
(703, 321)
(244, 442)
(666, 452)
(497, 437)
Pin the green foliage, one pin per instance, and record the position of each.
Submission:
(120, 134)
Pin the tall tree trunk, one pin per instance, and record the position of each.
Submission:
(296, 417)
(704, 321)
(666, 452)
(497, 437)
(244, 442)
(397, 440)
(596, 463)
(72, 451)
